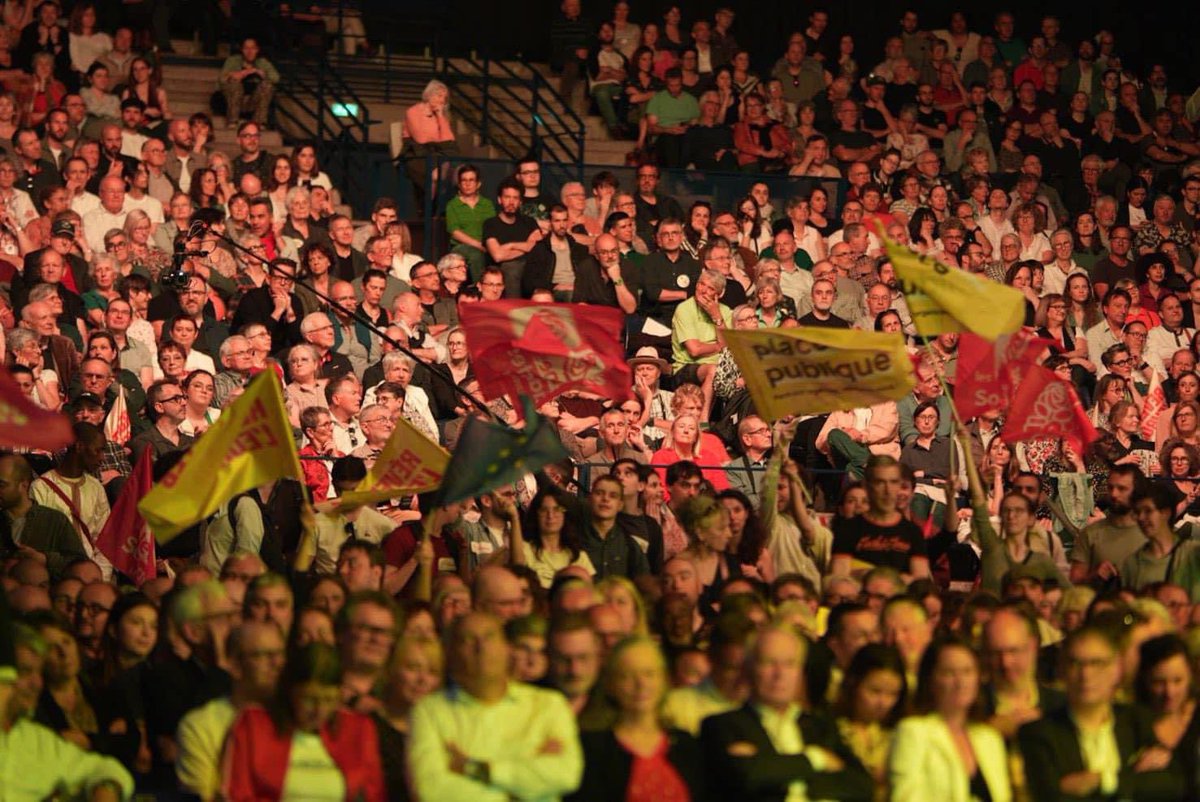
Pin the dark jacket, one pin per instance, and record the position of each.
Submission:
(1050, 747)
(765, 775)
(607, 766)
(46, 530)
(539, 265)
(257, 306)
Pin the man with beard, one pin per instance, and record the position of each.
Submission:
(1103, 545)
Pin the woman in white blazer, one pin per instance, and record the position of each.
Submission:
(945, 753)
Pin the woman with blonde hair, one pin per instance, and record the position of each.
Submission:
(686, 443)
(415, 671)
(628, 753)
(621, 594)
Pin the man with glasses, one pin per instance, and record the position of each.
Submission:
(746, 472)
(317, 330)
(166, 406)
(274, 305)
(377, 425)
(534, 204)
(491, 286)
(237, 358)
(251, 158)
(604, 279)
(669, 275)
(133, 356)
(317, 427)
(160, 186)
(465, 216)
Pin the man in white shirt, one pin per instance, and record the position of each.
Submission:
(1164, 340)
(108, 215)
(77, 176)
(485, 737)
(795, 282)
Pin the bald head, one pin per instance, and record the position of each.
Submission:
(498, 591)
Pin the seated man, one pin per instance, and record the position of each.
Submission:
(696, 341)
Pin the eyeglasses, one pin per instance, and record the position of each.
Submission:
(171, 399)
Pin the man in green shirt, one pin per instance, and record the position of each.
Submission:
(465, 215)
(669, 113)
(696, 341)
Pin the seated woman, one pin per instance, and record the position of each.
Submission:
(1093, 747)
(628, 753)
(687, 442)
(305, 743)
(763, 145)
(1181, 466)
(706, 522)
(944, 751)
(929, 458)
(549, 539)
(1166, 686)
(870, 702)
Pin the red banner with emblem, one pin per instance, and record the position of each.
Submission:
(1047, 406)
(540, 350)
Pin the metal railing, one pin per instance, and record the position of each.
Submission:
(514, 109)
(326, 110)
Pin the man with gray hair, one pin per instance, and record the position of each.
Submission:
(376, 423)
(237, 359)
(317, 330)
(696, 340)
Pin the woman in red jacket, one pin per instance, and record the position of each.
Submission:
(306, 744)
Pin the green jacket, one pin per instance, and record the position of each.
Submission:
(996, 560)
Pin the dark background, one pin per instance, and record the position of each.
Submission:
(1145, 31)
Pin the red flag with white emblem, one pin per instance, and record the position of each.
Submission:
(1047, 406)
(125, 539)
(540, 350)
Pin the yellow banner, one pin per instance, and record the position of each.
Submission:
(807, 371)
(409, 463)
(946, 299)
(251, 444)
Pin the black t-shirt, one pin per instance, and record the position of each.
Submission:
(504, 233)
(1108, 272)
(892, 546)
(850, 139)
(833, 322)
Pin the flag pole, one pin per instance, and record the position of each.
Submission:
(424, 588)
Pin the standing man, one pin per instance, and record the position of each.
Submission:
(510, 236)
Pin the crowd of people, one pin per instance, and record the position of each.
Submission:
(698, 603)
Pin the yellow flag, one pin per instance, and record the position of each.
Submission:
(249, 445)
(946, 299)
(409, 463)
(807, 370)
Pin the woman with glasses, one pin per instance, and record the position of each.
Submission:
(1053, 324)
(306, 388)
(206, 192)
(1181, 467)
(1181, 421)
(147, 258)
(199, 412)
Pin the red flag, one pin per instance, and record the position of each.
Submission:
(125, 539)
(117, 426)
(989, 373)
(539, 350)
(23, 424)
(1047, 406)
(1154, 405)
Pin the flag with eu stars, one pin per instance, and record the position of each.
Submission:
(490, 455)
